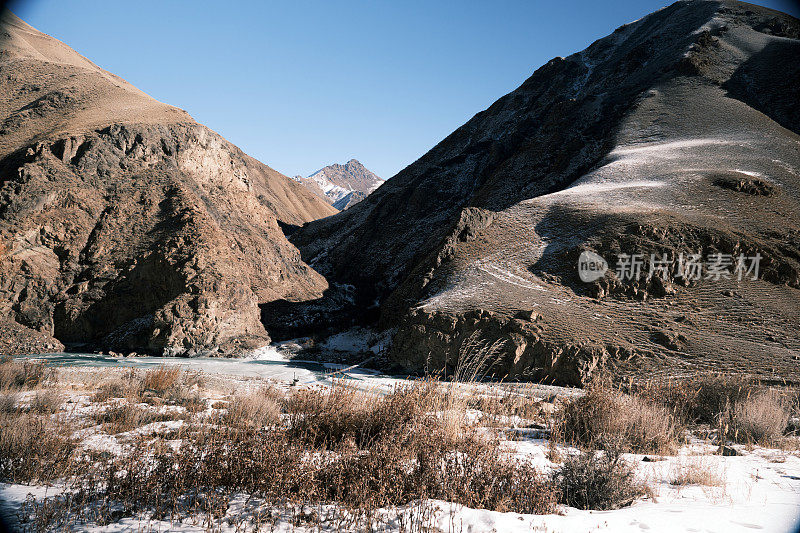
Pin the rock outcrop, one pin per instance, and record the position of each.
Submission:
(127, 226)
(677, 134)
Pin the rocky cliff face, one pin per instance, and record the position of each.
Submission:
(342, 185)
(674, 135)
(126, 225)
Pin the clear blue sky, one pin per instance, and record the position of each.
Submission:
(300, 85)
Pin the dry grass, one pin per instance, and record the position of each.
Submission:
(161, 379)
(329, 417)
(698, 399)
(695, 471)
(605, 413)
(32, 447)
(356, 450)
(47, 401)
(126, 417)
(353, 449)
(740, 408)
(18, 374)
(161, 385)
(758, 419)
(8, 402)
(115, 388)
(506, 404)
(257, 408)
(476, 358)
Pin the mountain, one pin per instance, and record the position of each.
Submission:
(349, 200)
(124, 224)
(677, 134)
(335, 182)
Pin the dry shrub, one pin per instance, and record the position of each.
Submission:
(604, 412)
(172, 385)
(18, 374)
(8, 403)
(508, 404)
(33, 448)
(160, 379)
(46, 401)
(481, 476)
(699, 399)
(163, 384)
(127, 416)
(337, 446)
(409, 445)
(327, 417)
(183, 397)
(473, 472)
(597, 480)
(115, 388)
(257, 408)
(758, 419)
(695, 472)
(476, 358)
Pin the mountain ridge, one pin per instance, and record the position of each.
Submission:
(610, 148)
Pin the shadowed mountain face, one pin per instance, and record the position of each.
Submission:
(127, 225)
(677, 134)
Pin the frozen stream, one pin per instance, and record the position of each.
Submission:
(266, 363)
(269, 363)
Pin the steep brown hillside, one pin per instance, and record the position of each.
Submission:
(677, 134)
(125, 224)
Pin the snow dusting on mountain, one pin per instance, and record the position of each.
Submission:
(336, 183)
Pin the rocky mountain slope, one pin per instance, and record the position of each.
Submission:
(336, 182)
(349, 200)
(677, 134)
(125, 224)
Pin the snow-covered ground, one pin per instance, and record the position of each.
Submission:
(758, 490)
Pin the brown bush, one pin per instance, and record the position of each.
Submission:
(508, 403)
(257, 408)
(20, 374)
(695, 472)
(163, 384)
(110, 389)
(329, 417)
(33, 448)
(160, 379)
(597, 480)
(337, 446)
(606, 413)
(473, 472)
(699, 399)
(46, 401)
(758, 419)
(127, 416)
(8, 403)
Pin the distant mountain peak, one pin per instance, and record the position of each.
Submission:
(337, 181)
